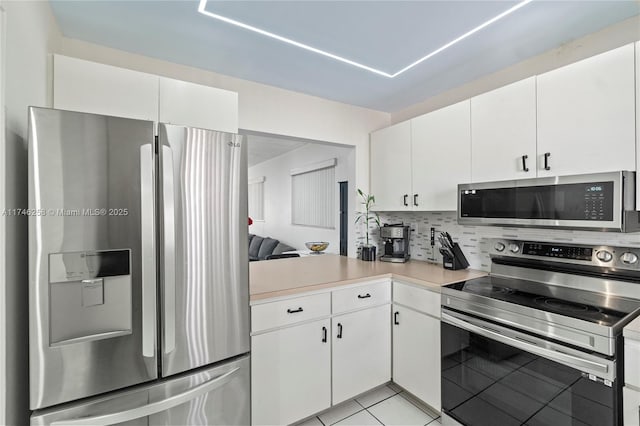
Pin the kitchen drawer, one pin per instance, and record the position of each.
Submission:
(632, 362)
(289, 311)
(423, 300)
(361, 297)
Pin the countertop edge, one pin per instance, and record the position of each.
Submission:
(328, 286)
(315, 287)
(632, 330)
(632, 334)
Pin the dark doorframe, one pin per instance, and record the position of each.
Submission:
(344, 217)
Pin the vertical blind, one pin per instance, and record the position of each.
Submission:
(256, 199)
(313, 196)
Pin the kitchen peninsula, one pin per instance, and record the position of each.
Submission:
(288, 277)
(321, 332)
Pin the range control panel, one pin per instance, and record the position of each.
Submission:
(562, 251)
(602, 256)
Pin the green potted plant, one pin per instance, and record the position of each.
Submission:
(367, 251)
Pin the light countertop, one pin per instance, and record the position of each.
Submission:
(632, 330)
(284, 277)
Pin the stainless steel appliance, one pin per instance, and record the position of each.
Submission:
(601, 201)
(396, 242)
(539, 340)
(138, 272)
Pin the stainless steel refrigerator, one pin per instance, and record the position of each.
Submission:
(139, 295)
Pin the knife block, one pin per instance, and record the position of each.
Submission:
(458, 261)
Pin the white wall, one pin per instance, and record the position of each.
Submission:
(609, 38)
(29, 28)
(277, 195)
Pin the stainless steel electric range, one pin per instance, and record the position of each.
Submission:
(539, 342)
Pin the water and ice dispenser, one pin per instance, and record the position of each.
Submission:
(89, 295)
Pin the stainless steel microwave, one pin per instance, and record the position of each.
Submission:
(597, 202)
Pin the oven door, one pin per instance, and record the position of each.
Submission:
(492, 375)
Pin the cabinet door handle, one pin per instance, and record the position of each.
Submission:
(365, 296)
(324, 334)
(395, 318)
(405, 200)
(415, 200)
(546, 160)
(339, 336)
(293, 311)
(524, 163)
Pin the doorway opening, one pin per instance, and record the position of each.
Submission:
(299, 189)
(344, 217)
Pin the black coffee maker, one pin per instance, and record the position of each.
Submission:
(396, 242)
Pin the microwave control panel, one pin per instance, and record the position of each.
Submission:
(595, 197)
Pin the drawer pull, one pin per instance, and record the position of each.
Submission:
(339, 336)
(395, 318)
(366, 296)
(293, 311)
(324, 334)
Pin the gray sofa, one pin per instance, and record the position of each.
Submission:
(260, 248)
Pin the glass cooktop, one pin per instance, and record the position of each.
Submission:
(574, 303)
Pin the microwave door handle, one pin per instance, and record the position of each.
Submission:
(538, 213)
(152, 408)
(148, 251)
(169, 295)
(528, 346)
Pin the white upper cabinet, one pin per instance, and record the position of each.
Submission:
(391, 167)
(417, 164)
(195, 105)
(586, 115)
(503, 133)
(441, 156)
(86, 86)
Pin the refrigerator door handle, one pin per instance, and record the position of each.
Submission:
(148, 251)
(169, 251)
(153, 408)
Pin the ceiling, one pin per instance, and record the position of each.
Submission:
(262, 148)
(380, 34)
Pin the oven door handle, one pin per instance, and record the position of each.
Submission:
(588, 366)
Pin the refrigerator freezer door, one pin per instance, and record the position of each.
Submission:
(215, 396)
(204, 254)
(91, 255)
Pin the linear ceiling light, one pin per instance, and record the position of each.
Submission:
(202, 9)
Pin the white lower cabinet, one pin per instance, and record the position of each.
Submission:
(291, 373)
(631, 404)
(361, 351)
(317, 350)
(416, 354)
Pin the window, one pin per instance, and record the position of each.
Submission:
(256, 198)
(313, 193)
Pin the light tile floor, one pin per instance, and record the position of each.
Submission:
(386, 405)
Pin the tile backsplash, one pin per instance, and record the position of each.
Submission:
(474, 240)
